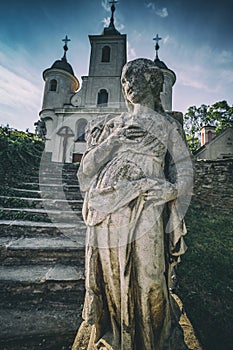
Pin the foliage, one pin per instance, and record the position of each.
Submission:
(205, 275)
(220, 115)
(20, 153)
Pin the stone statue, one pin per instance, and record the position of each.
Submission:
(40, 129)
(135, 174)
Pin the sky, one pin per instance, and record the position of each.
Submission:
(196, 44)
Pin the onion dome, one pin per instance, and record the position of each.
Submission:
(62, 64)
(160, 64)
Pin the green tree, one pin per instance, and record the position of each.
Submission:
(220, 115)
(19, 152)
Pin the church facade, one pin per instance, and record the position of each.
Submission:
(67, 107)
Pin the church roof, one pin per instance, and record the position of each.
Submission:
(63, 65)
(110, 30)
(160, 64)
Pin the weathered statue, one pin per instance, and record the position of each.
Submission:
(40, 129)
(135, 173)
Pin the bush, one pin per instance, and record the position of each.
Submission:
(20, 154)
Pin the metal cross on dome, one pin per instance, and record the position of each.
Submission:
(66, 40)
(65, 47)
(113, 2)
(157, 39)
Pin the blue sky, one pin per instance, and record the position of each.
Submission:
(197, 44)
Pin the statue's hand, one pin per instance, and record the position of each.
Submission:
(126, 134)
(162, 192)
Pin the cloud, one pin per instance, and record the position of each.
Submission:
(119, 26)
(105, 5)
(137, 36)
(192, 81)
(20, 93)
(205, 74)
(166, 39)
(131, 52)
(15, 90)
(162, 12)
(159, 11)
(106, 21)
(226, 76)
(225, 57)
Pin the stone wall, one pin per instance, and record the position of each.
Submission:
(213, 184)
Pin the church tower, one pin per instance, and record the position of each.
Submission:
(67, 110)
(102, 87)
(60, 82)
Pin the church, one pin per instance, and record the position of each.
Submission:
(68, 105)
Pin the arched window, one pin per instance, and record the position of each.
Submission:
(53, 85)
(102, 98)
(106, 54)
(80, 130)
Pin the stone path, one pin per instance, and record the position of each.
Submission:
(42, 237)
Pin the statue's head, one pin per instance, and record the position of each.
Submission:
(141, 78)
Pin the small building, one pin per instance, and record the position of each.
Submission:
(66, 109)
(214, 147)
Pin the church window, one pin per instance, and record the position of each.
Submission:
(106, 54)
(80, 130)
(53, 85)
(102, 98)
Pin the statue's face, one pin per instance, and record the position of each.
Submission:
(135, 86)
(142, 82)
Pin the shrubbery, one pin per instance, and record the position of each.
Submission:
(20, 153)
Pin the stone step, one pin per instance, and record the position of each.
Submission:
(20, 192)
(42, 249)
(28, 185)
(60, 173)
(8, 214)
(56, 180)
(42, 283)
(56, 187)
(40, 274)
(27, 193)
(43, 170)
(18, 228)
(47, 215)
(25, 202)
(49, 187)
(36, 327)
(62, 193)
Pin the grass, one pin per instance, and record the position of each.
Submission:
(205, 276)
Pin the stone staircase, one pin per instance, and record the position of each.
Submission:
(42, 238)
